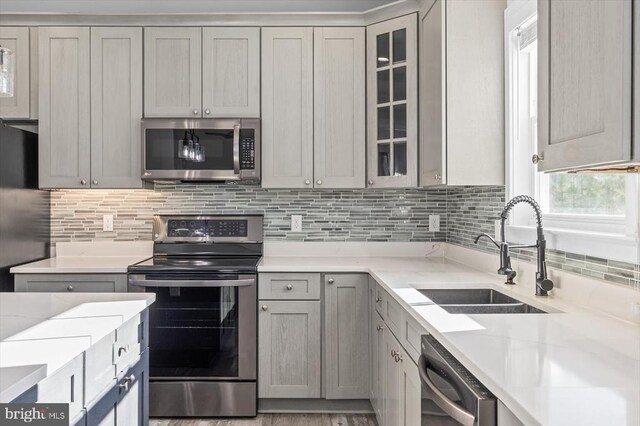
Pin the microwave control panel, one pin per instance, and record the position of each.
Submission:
(247, 149)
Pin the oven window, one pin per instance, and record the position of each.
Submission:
(193, 332)
(197, 149)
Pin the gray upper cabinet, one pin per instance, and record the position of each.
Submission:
(231, 72)
(287, 107)
(584, 89)
(65, 105)
(16, 40)
(461, 92)
(392, 107)
(172, 72)
(116, 106)
(346, 336)
(339, 107)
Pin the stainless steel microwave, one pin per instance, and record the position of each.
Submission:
(201, 150)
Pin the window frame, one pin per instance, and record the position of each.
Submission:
(602, 236)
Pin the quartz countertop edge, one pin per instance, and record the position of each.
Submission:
(42, 332)
(570, 366)
(80, 265)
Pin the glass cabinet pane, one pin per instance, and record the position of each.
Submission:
(399, 159)
(384, 123)
(383, 86)
(382, 50)
(399, 84)
(384, 159)
(399, 46)
(400, 121)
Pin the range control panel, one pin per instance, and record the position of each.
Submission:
(177, 228)
(207, 228)
(247, 149)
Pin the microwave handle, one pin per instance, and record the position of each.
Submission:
(440, 399)
(236, 149)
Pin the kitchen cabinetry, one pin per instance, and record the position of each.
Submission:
(339, 108)
(46, 283)
(392, 83)
(90, 107)
(461, 93)
(585, 84)
(17, 41)
(289, 349)
(202, 72)
(313, 118)
(346, 345)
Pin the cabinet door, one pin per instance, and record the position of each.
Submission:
(410, 391)
(16, 41)
(339, 107)
(392, 81)
(378, 365)
(584, 89)
(287, 107)
(231, 72)
(133, 405)
(346, 342)
(116, 107)
(65, 102)
(391, 383)
(433, 155)
(289, 349)
(172, 72)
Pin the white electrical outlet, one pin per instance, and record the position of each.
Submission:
(496, 230)
(296, 223)
(434, 223)
(107, 222)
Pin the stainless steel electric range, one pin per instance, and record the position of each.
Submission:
(202, 326)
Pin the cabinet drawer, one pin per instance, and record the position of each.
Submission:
(287, 286)
(131, 341)
(391, 311)
(412, 333)
(83, 283)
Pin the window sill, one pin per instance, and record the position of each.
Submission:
(619, 247)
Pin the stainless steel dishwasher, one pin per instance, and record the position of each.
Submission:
(451, 395)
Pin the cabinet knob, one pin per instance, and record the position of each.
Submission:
(378, 299)
(393, 353)
(289, 287)
(265, 307)
(128, 380)
(380, 327)
(370, 182)
(307, 182)
(438, 176)
(319, 181)
(330, 280)
(123, 350)
(398, 357)
(207, 111)
(196, 112)
(94, 182)
(69, 287)
(537, 158)
(83, 182)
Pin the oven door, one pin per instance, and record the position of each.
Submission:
(191, 149)
(201, 326)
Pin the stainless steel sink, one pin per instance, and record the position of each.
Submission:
(478, 301)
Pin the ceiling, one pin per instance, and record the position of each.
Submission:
(188, 6)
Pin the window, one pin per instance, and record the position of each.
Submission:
(587, 213)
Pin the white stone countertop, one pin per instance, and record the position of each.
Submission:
(573, 366)
(41, 332)
(103, 257)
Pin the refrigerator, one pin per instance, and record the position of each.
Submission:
(24, 209)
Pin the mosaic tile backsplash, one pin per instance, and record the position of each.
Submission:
(339, 215)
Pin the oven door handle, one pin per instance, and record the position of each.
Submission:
(236, 149)
(139, 280)
(440, 399)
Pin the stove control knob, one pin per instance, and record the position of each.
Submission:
(265, 307)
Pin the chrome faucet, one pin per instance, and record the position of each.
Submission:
(543, 283)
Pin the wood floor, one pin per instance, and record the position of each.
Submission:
(277, 420)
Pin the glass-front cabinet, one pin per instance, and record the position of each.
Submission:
(392, 105)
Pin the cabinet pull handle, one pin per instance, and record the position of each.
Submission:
(380, 327)
(393, 353)
(123, 350)
(265, 307)
(398, 357)
(127, 382)
(378, 299)
(289, 287)
(69, 287)
(537, 158)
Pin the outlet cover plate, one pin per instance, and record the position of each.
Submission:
(296, 223)
(434, 223)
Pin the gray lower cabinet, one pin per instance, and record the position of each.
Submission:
(51, 283)
(346, 346)
(289, 349)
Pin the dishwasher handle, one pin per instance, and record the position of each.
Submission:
(456, 412)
